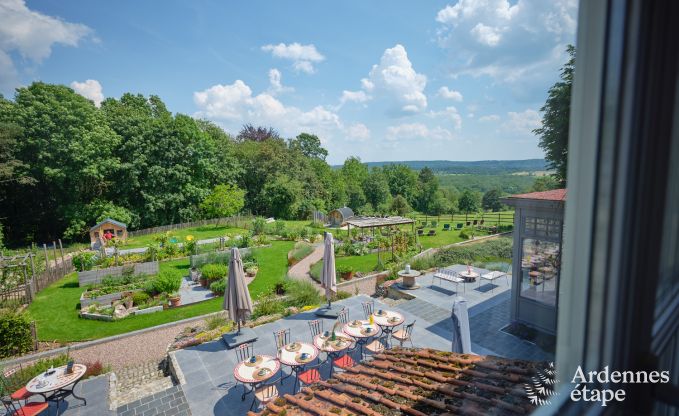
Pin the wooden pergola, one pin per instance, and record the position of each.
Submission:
(379, 222)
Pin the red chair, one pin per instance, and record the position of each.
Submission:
(344, 362)
(28, 409)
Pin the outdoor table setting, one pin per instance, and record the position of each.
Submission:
(469, 275)
(325, 342)
(255, 370)
(362, 331)
(296, 355)
(56, 384)
(388, 320)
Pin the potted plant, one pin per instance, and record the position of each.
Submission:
(346, 272)
(252, 271)
(175, 299)
(203, 280)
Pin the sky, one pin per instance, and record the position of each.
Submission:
(384, 80)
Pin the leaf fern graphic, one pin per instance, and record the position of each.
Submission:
(541, 386)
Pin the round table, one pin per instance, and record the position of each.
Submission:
(387, 320)
(57, 382)
(248, 373)
(469, 276)
(341, 343)
(361, 331)
(290, 355)
(408, 279)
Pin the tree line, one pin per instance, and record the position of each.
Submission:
(66, 164)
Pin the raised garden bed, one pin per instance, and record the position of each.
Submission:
(105, 299)
(91, 277)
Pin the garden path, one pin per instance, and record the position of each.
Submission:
(300, 271)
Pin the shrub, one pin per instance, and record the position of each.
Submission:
(491, 250)
(261, 240)
(15, 334)
(268, 305)
(302, 293)
(139, 298)
(341, 295)
(84, 260)
(258, 226)
(215, 321)
(96, 369)
(316, 270)
(218, 287)
(301, 250)
(279, 227)
(167, 281)
(214, 271)
(464, 235)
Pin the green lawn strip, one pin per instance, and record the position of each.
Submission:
(198, 233)
(56, 314)
(362, 264)
(273, 266)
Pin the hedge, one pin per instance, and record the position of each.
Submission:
(15, 334)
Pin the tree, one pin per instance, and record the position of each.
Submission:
(376, 188)
(223, 201)
(402, 181)
(554, 130)
(491, 201)
(309, 145)
(544, 183)
(256, 134)
(282, 196)
(354, 173)
(428, 191)
(468, 202)
(400, 205)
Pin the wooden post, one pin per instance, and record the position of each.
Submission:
(34, 335)
(32, 285)
(63, 259)
(47, 260)
(27, 290)
(54, 247)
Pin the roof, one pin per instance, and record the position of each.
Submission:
(108, 220)
(346, 212)
(367, 222)
(417, 382)
(553, 195)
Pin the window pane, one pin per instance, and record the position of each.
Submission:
(540, 270)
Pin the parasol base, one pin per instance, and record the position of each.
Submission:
(234, 339)
(331, 311)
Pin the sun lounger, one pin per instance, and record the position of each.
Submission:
(446, 227)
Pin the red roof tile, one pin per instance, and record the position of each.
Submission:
(417, 382)
(553, 195)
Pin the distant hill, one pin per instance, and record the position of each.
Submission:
(481, 167)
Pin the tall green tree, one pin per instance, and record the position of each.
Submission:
(376, 188)
(223, 201)
(555, 120)
(491, 201)
(468, 202)
(400, 206)
(428, 198)
(544, 183)
(402, 181)
(309, 145)
(354, 174)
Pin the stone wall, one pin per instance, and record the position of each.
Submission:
(91, 277)
(366, 285)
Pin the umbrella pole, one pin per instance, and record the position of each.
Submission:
(238, 327)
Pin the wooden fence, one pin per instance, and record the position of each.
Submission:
(239, 221)
(489, 218)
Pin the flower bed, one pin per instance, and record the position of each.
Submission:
(105, 299)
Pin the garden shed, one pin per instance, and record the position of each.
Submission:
(538, 230)
(338, 217)
(106, 230)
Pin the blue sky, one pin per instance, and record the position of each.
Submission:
(382, 80)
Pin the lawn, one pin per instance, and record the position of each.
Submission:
(442, 238)
(198, 233)
(363, 264)
(55, 309)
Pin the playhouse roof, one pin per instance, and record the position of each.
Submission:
(108, 221)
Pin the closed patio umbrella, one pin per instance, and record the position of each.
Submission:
(329, 278)
(237, 301)
(461, 338)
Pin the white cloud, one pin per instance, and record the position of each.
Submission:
(31, 34)
(490, 117)
(276, 84)
(358, 132)
(303, 57)
(508, 41)
(90, 89)
(449, 114)
(444, 92)
(234, 105)
(396, 78)
(523, 122)
(412, 131)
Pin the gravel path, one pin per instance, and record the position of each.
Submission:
(134, 350)
(300, 271)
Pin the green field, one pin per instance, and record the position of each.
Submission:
(55, 309)
(507, 183)
(198, 233)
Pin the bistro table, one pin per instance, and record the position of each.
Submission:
(333, 349)
(387, 320)
(362, 331)
(56, 384)
(408, 279)
(469, 276)
(255, 371)
(297, 355)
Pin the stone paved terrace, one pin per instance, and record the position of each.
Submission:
(210, 387)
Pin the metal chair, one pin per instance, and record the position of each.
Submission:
(378, 345)
(282, 337)
(19, 395)
(368, 308)
(28, 409)
(316, 327)
(343, 316)
(405, 334)
(244, 351)
(266, 393)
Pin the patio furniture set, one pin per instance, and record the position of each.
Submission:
(262, 374)
(54, 385)
(468, 276)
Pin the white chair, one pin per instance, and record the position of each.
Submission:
(450, 276)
